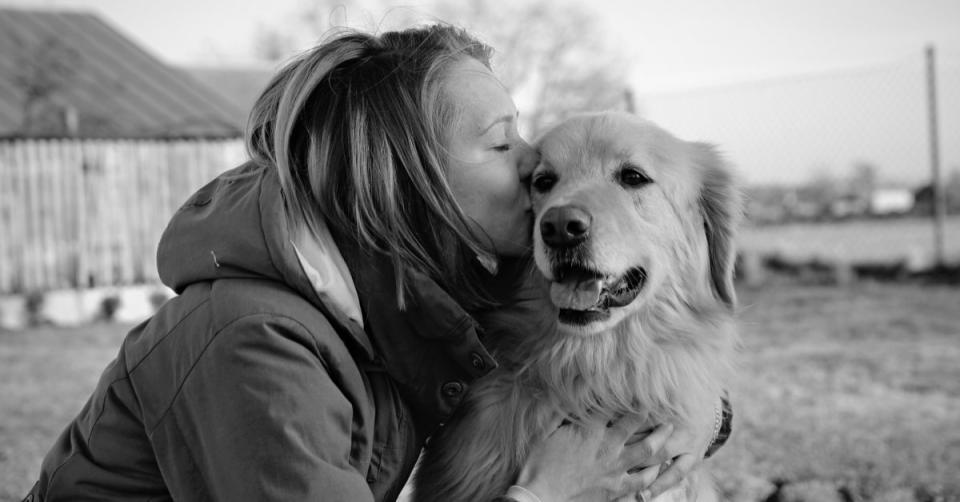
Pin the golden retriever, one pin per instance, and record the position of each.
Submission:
(635, 237)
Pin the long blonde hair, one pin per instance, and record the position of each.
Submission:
(355, 127)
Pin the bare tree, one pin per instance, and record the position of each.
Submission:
(552, 55)
(307, 26)
(272, 45)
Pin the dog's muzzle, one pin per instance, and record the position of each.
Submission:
(583, 293)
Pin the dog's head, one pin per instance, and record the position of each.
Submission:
(627, 214)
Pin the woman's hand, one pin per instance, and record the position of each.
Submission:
(682, 452)
(594, 461)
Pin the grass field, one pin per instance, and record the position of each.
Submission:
(859, 387)
(856, 386)
(46, 375)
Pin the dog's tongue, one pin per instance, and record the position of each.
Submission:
(576, 294)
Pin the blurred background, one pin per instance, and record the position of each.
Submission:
(842, 119)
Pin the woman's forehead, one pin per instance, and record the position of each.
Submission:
(480, 97)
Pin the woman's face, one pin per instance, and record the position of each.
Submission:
(490, 164)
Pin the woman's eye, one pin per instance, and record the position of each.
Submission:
(634, 178)
(503, 148)
(544, 182)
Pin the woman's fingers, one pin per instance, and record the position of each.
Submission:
(671, 477)
(639, 480)
(646, 452)
(622, 428)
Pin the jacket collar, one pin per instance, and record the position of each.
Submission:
(277, 232)
(327, 272)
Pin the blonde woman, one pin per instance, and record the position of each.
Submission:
(322, 328)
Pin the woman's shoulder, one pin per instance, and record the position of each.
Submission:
(246, 328)
(275, 309)
(223, 314)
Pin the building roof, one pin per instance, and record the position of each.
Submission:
(72, 74)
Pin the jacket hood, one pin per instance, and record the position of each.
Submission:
(235, 227)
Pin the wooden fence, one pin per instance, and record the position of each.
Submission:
(85, 213)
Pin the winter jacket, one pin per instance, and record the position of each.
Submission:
(255, 383)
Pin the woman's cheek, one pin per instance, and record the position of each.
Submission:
(510, 187)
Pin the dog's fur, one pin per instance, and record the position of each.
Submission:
(659, 356)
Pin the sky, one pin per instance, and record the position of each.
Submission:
(790, 89)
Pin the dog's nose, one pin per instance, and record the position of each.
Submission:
(565, 226)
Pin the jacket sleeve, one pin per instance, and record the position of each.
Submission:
(259, 417)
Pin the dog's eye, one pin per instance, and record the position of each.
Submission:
(634, 178)
(544, 182)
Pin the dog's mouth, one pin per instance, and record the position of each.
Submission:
(585, 295)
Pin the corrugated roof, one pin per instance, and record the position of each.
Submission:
(86, 76)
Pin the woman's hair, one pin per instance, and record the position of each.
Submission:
(356, 128)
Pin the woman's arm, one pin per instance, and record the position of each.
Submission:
(592, 461)
(689, 446)
(259, 418)
(652, 450)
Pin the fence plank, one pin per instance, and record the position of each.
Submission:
(121, 190)
(6, 217)
(57, 249)
(139, 168)
(34, 271)
(75, 218)
(19, 220)
(83, 225)
(105, 217)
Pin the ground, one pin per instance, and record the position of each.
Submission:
(857, 387)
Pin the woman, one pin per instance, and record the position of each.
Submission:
(321, 332)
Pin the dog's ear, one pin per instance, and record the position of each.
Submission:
(721, 205)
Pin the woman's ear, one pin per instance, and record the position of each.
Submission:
(721, 205)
